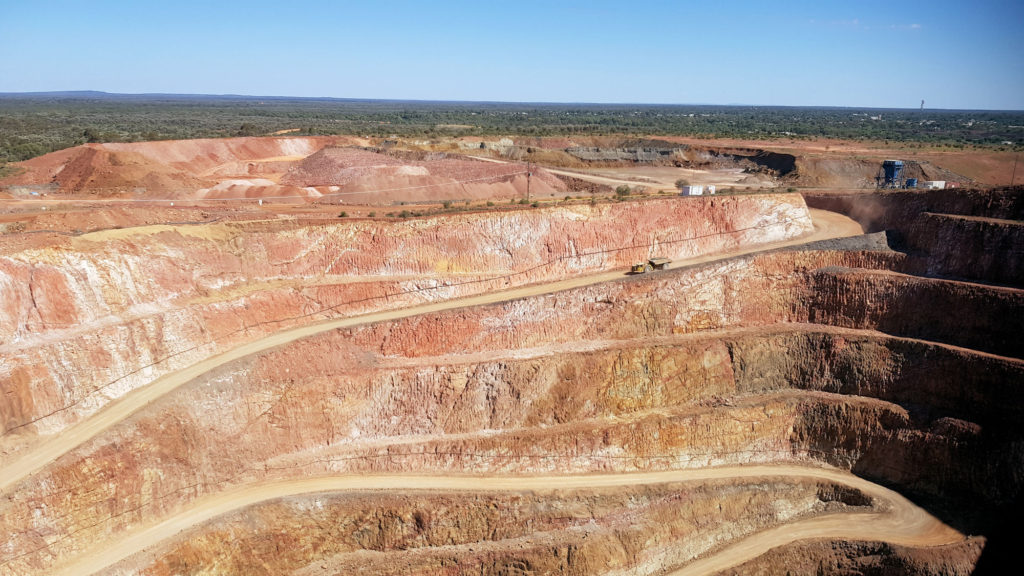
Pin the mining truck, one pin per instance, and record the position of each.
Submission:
(659, 263)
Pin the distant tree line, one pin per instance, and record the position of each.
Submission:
(38, 124)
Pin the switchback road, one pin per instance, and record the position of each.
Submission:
(893, 519)
(827, 225)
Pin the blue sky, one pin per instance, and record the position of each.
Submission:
(854, 53)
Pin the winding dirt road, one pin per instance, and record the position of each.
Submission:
(596, 178)
(827, 225)
(901, 522)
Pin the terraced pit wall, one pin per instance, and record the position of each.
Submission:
(972, 234)
(86, 319)
(632, 530)
(808, 356)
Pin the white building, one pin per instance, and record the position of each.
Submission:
(934, 184)
(698, 190)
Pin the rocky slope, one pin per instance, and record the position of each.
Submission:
(971, 234)
(569, 532)
(86, 319)
(728, 363)
(167, 169)
(864, 558)
(372, 176)
(343, 169)
(843, 353)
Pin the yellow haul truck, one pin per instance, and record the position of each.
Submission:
(659, 263)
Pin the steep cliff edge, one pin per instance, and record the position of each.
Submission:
(842, 354)
(976, 235)
(714, 364)
(86, 319)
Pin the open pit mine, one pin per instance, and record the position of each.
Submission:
(820, 384)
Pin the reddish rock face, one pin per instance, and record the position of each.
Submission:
(611, 377)
(969, 234)
(308, 168)
(420, 533)
(824, 355)
(125, 306)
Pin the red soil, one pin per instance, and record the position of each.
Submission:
(387, 178)
(270, 168)
(166, 169)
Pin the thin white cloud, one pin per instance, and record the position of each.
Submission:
(854, 23)
(858, 24)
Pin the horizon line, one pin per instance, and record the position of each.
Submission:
(73, 93)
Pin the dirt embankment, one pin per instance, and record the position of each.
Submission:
(776, 164)
(271, 168)
(918, 308)
(833, 172)
(971, 234)
(165, 169)
(621, 376)
(838, 171)
(181, 293)
(880, 210)
(993, 250)
(709, 157)
(549, 532)
(864, 559)
(801, 164)
(384, 177)
(837, 354)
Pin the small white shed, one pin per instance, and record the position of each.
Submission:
(697, 190)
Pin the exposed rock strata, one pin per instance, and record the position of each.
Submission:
(971, 234)
(864, 559)
(90, 318)
(621, 376)
(573, 532)
(828, 355)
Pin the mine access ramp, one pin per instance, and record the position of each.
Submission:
(659, 263)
